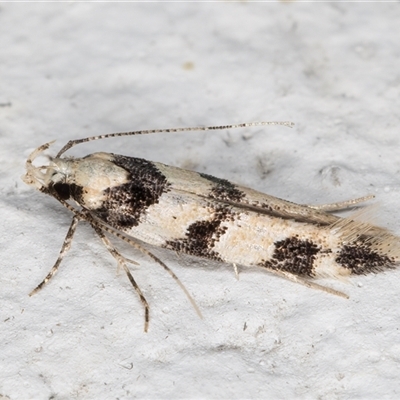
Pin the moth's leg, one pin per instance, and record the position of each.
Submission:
(64, 249)
(138, 246)
(235, 268)
(305, 282)
(121, 260)
(158, 261)
(340, 205)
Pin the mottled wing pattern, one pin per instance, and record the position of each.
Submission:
(204, 216)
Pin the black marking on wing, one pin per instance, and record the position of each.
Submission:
(234, 195)
(223, 189)
(62, 190)
(294, 255)
(65, 191)
(361, 259)
(125, 204)
(201, 236)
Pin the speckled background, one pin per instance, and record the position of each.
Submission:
(70, 70)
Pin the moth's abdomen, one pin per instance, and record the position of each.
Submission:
(203, 227)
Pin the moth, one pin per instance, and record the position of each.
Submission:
(144, 202)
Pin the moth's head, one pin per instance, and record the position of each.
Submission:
(85, 180)
(46, 178)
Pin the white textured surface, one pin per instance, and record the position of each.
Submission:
(72, 70)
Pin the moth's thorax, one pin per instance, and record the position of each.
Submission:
(85, 179)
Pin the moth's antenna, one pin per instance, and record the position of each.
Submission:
(73, 143)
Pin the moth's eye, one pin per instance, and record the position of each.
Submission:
(63, 190)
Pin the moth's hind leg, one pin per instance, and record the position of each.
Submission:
(166, 268)
(341, 205)
(64, 250)
(305, 282)
(138, 246)
(122, 261)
